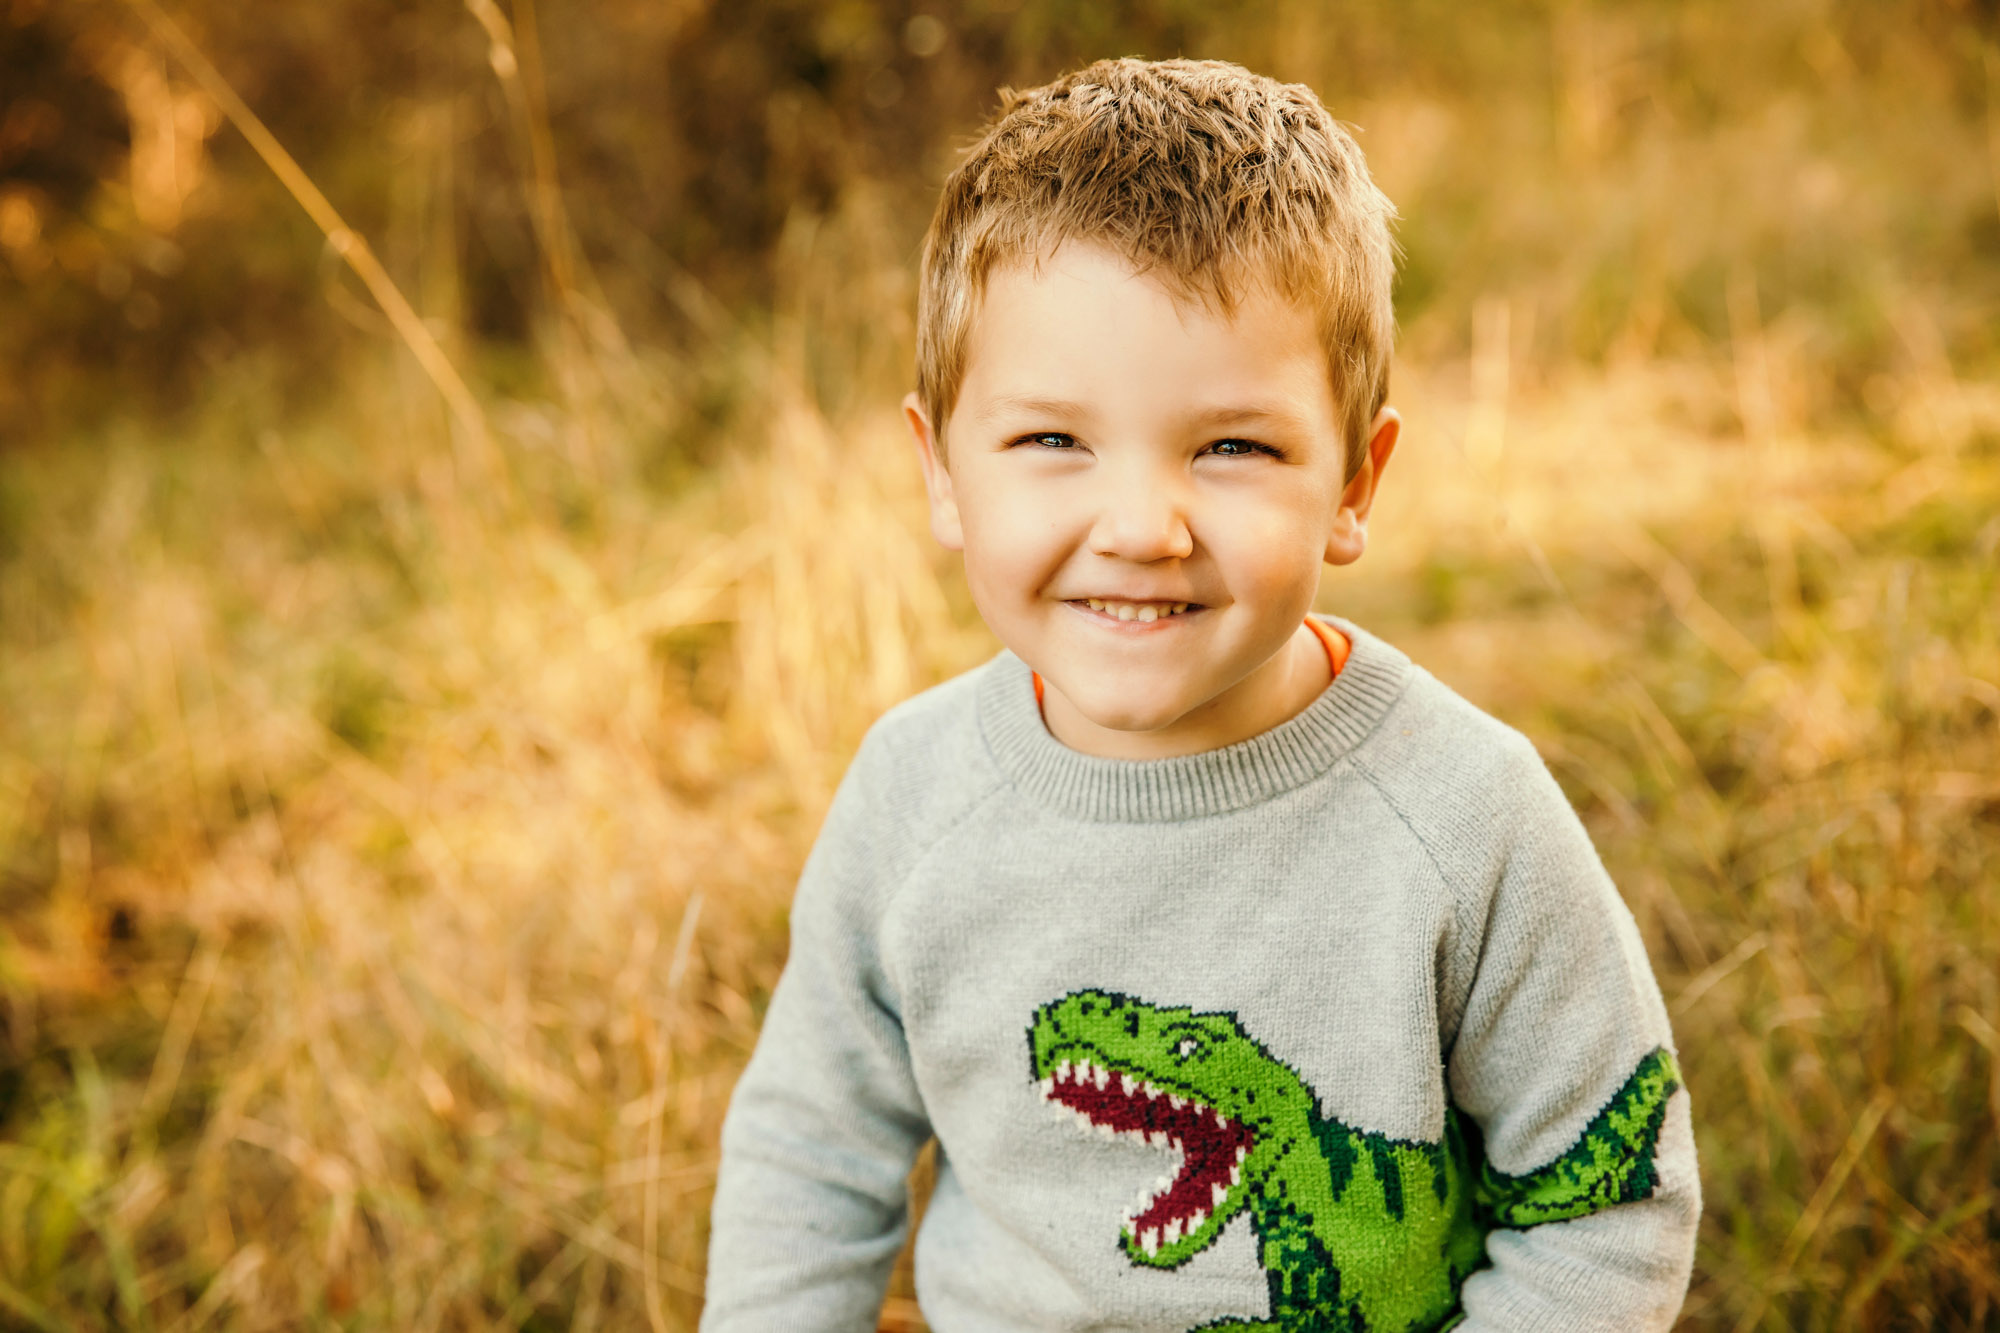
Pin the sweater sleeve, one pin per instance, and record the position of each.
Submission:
(1561, 1013)
(811, 1203)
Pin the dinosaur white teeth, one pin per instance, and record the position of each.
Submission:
(1219, 1193)
(1175, 1102)
(1149, 1241)
(1125, 1084)
(1195, 1219)
(1048, 1088)
(1160, 1185)
(1220, 1122)
(1062, 1072)
(1105, 1131)
(1241, 1153)
(1158, 1138)
(1152, 1093)
(1235, 1175)
(1100, 1076)
(1172, 1233)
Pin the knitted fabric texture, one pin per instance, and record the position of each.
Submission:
(1351, 1006)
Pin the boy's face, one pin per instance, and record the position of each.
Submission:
(1144, 491)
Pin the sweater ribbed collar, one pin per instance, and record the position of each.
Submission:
(1138, 791)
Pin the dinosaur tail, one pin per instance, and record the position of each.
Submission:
(1612, 1162)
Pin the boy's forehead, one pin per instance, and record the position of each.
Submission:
(1063, 329)
(1064, 263)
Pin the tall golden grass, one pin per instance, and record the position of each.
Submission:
(397, 841)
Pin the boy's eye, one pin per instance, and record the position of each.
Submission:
(1236, 448)
(1049, 439)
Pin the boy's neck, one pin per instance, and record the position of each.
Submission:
(1279, 690)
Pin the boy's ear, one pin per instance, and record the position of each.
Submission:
(945, 525)
(1349, 537)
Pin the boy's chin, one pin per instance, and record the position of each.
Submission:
(1136, 714)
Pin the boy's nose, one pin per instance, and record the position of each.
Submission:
(1142, 519)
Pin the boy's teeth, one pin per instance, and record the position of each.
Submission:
(1143, 612)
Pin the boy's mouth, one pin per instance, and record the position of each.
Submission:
(1142, 612)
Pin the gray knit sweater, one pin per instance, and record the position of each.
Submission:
(1350, 1006)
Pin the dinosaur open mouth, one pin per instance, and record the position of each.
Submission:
(1212, 1146)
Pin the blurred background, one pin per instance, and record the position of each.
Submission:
(454, 528)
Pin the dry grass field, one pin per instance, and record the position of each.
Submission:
(400, 798)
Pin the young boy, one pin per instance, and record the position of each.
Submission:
(1188, 894)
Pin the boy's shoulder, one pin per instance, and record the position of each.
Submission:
(1434, 737)
(1468, 785)
(1478, 797)
(925, 761)
(935, 727)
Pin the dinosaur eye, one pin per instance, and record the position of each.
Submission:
(1188, 1046)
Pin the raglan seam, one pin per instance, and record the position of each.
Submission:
(1458, 892)
(893, 894)
(1462, 896)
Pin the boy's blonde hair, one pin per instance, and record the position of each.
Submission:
(1205, 175)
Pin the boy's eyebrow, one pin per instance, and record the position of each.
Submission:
(1032, 406)
(1233, 414)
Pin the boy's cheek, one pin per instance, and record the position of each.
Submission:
(1004, 584)
(1269, 553)
(1020, 529)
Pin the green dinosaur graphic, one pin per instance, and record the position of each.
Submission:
(1356, 1231)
